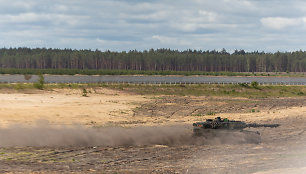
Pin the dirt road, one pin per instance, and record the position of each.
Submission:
(282, 150)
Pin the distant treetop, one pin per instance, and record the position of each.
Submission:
(153, 60)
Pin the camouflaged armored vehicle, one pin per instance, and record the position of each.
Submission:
(225, 124)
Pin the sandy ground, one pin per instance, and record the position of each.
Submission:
(68, 107)
(282, 150)
(105, 107)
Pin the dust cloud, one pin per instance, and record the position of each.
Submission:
(43, 134)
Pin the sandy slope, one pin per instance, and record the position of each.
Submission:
(105, 107)
(67, 107)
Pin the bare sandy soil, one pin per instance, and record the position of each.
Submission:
(67, 107)
(167, 147)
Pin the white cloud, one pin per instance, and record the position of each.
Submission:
(191, 21)
(279, 23)
(26, 17)
(166, 40)
(211, 16)
(61, 8)
(30, 18)
(112, 42)
(155, 16)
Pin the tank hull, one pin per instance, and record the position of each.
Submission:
(228, 136)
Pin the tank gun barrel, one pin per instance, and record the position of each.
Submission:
(262, 125)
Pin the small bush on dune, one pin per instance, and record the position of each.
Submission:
(40, 83)
(84, 92)
(244, 85)
(255, 84)
(211, 113)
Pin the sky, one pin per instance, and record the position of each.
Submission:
(122, 25)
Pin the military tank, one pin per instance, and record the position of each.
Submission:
(225, 124)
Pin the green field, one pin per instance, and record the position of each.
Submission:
(242, 90)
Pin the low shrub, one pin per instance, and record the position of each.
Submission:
(40, 83)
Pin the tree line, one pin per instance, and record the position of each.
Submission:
(153, 60)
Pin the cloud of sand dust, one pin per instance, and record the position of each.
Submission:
(43, 134)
